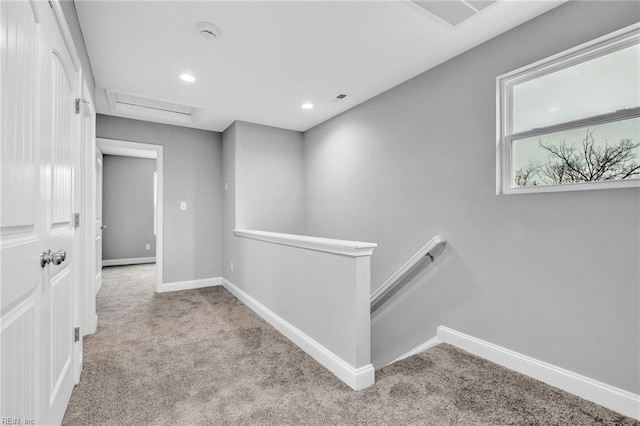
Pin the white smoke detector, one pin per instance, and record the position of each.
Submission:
(208, 30)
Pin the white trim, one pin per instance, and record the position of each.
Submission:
(79, 366)
(11, 315)
(327, 245)
(356, 378)
(407, 267)
(613, 398)
(36, 11)
(58, 385)
(420, 348)
(135, 149)
(577, 53)
(98, 291)
(160, 216)
(190, 284)
(129, 261)
(126, 149)
(88, 211)
(581, 186)
(66, 33)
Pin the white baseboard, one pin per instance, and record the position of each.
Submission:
(131, 261)
(421, 348)
(613, 398)
(356, 378)
(79, 368)
(189, 285)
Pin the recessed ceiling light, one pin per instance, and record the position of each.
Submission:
(188, 78)
(307, 105)
(554, 108)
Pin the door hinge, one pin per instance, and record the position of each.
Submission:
(76, 220)
(78, 102)
(76, 334)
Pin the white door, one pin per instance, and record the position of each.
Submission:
(99, 226)
(21, 219)
(60, 153)
(40, 137)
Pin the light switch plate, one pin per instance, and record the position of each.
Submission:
(183, 205)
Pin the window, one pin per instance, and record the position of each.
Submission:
(572, 121)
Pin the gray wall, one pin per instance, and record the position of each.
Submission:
(192, 173)
(263, 168)
(127, 207)
(554, 276)
(269, 179)
(229, 177)
(264, 172)
(70, 14)
(318, 293)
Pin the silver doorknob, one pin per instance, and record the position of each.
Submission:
(103, 227)
(58, 257)
(45, 258)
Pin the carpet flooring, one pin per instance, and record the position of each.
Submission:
(202, 357)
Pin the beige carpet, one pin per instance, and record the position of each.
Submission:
(202, 357)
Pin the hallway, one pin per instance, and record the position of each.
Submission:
(202, 357)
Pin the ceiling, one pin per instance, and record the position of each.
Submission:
(270, 57)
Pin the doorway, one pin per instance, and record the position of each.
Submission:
(111, 147)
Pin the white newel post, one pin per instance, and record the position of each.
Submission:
(366, 375)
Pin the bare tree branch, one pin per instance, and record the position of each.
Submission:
(527, 174)
(567, 164)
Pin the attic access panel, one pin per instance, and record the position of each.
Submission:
(150, 108)
(454, 11)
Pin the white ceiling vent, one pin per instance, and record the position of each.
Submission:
(454, 11)
(155, 109)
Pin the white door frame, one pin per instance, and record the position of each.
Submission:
(88, 317)
(143, 150)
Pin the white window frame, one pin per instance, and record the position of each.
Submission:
(609, 43)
